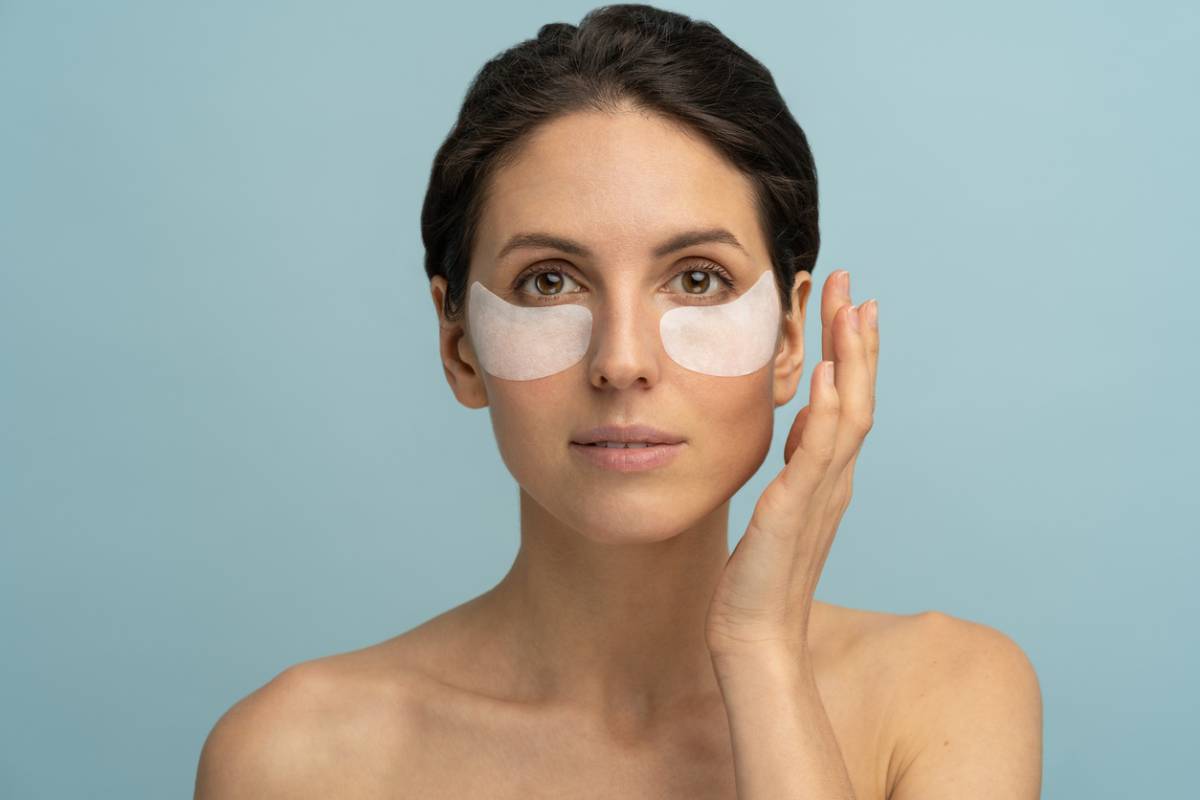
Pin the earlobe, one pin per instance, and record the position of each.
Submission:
(460, 368)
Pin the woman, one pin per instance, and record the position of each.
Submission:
(621, 231)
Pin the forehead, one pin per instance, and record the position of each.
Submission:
(620, 182)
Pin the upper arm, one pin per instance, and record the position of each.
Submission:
(971, 723)
(262, 746)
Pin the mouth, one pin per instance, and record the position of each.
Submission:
(635, 435)
(627, 456)
(621, 445)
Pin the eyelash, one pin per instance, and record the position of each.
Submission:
(703, 266)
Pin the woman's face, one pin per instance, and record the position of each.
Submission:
(620, 185)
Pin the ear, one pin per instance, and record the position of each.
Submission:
(789, 359)
(458, 358)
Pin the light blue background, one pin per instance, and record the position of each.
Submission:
(226, 443)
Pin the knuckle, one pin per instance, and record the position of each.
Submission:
(822, 453)
(860, 421)
(841, 500)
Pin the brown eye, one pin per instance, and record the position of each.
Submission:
(537, 284)
(696, 279)
(548, 283)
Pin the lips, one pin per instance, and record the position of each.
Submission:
(628, 459)
(637, 434)
(623, 445)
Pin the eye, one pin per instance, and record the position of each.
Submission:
(547, 281)
(696, 281)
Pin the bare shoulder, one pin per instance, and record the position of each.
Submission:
(861, 648)
(966, 712)
(260, 747)
(289, 738)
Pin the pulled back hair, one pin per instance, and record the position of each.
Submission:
(683, 69)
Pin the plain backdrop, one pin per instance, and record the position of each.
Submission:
(227, 445)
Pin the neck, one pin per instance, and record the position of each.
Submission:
(614, 627)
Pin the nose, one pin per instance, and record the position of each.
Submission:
(626, 347)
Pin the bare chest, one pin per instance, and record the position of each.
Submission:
(462, 753)
(431, 740)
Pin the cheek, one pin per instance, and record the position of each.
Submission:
(735, 422)
(532, 422)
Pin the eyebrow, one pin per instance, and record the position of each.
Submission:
(676, 242)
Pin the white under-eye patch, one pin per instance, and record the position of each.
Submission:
(728, 339)
(521, 343)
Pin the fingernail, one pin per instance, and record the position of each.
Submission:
(827, 372)
(853, 314)
(846, 282)
(873, 315)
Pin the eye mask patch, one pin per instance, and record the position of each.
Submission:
(728, 339)
(521, 343)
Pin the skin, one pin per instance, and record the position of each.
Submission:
(626, 652)
(615, 573)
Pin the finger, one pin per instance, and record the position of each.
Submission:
(854, 390)
(818, 435)
(793, 439)
(834, 295)
(822, 486)
(789, 499)
(870, 333)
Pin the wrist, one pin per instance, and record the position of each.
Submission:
(775, 657)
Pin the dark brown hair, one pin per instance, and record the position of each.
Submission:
(683, 69)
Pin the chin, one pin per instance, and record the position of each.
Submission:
(630, 520)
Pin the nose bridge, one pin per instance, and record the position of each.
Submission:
(625, 340)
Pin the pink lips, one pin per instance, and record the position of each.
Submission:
(627, 433)
(628, 459)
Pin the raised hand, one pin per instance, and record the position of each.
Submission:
(764, 596)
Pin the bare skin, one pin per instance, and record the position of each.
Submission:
(427, 714)
(588, 671)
